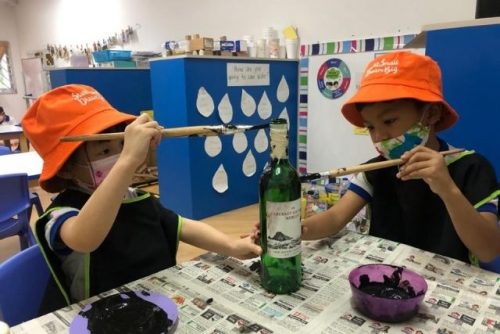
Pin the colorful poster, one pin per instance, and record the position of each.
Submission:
(333, 78)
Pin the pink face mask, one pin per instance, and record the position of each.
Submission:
(98, 170)
(101, 168)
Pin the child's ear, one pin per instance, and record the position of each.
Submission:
(434, 113)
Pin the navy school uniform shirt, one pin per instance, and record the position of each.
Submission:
(143, 240)
(410, 213)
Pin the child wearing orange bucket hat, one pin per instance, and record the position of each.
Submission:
(98, 234)
(447, 205)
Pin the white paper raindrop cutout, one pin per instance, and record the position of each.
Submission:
(220, 181)
(248, 104)
(261, 141)
(284, 114)
(265, 109)
(249, 164)
(225, 109)
(204, 102)
(283, 91)
(213, 146)
(240, 142)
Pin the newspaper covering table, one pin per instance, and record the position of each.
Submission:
(218, 294)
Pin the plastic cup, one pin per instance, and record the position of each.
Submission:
(282, 52)
(261, 50)
(252, 51)
(292, 48)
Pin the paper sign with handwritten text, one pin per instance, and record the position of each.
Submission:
(242, 74)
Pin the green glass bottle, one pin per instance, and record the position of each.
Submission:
(280, 227)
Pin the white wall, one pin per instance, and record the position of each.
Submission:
(13, 104)
(75, 22)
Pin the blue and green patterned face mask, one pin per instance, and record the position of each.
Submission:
(393, 148)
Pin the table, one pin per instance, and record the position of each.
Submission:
(461, 298)
(27, 162)
(8, 132)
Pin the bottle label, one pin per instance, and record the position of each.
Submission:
(283, 229)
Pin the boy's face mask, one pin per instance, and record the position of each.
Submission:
(393, 148)
(100, 168)
(95, 172)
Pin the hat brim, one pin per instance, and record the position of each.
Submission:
(387, 92)
(96, 123)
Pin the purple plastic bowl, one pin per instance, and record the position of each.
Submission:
(385, 309)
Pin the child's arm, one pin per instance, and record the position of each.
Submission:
(204, 236)
(326, 223)
(331, 221)
(478, 231)
(86, 231)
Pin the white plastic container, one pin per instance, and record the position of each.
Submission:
(261, 48)
(273, 42)
(292, 48)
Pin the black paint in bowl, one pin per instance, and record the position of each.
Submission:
(385, 292)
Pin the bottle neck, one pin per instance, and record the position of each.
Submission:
(279, 143)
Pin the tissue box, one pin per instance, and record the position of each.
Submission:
(234, 46)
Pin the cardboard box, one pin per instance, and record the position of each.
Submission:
(203, 43)
(241, 54)
(204, 52)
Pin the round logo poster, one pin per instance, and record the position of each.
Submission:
(333, 78)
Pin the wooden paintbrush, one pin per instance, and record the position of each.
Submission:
(188, 131)
(363, 168)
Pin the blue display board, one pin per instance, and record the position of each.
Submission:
(128, 90)
(471, 67)
(186, 170)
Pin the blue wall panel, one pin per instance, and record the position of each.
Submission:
(185, 170)
(470, 63)
(128, 90)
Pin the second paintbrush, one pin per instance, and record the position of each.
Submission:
(188, 131)
(362, 168)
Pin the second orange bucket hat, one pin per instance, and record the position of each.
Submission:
(66, 111)
(400, 75)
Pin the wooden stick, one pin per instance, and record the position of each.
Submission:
(200, 130)
(364, 168)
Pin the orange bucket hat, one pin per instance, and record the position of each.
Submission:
(400, 75)
(66, 111)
